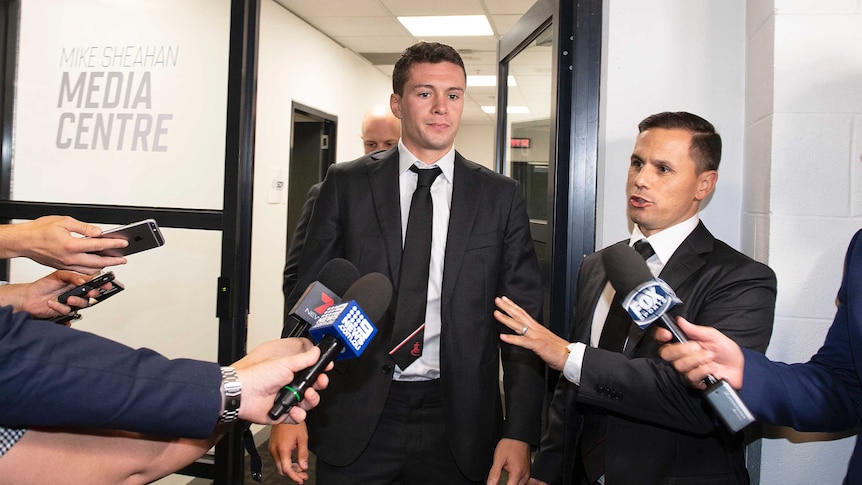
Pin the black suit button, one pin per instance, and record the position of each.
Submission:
(386, 369)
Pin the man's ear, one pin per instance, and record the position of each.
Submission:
(395, 105)
(706, 184)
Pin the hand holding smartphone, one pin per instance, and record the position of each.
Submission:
(95, 283)
(141, 235)
(82, 290)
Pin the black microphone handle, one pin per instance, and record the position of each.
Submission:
(299, 327)
(670, 324)
(291, 394)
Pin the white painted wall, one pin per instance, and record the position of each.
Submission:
(671, 55)
(804, 133)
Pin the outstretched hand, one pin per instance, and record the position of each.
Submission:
(51, 240)
(39, 298)
(531, 334)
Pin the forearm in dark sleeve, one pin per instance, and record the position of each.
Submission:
(56, 376)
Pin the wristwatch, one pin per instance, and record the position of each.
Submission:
(231, 388)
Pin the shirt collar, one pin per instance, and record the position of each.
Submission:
(665, 242)
(406, 159)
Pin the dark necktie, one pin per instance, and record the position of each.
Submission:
(613, 337)
(618, 321)
(409, 331)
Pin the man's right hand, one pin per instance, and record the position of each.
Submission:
(707, 352)
(283, 440)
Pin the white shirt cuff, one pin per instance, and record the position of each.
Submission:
(572, 369)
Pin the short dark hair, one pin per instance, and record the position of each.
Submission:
(431, 52)
(705, 147)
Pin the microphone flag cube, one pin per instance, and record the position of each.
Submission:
(349, 325)
(649, 301)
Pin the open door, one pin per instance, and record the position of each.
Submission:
(547, 138)
(312, 151)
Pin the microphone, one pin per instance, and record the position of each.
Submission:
(334, 279)
(648, 299)
(343, 332)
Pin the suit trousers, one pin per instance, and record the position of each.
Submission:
(409, 446)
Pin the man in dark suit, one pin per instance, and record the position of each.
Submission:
(439, 419)
(620, 414)
(821, 395)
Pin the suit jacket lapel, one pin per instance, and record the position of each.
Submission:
(466, 193)
(687, 258)
(382, 177)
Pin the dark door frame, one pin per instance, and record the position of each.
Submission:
(576, 73)
(234, 220)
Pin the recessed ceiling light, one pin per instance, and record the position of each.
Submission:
(512, 110)
(487, 80)
(447, 26)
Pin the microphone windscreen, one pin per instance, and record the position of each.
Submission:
(373, 293)
(337, 275)
(625, 268)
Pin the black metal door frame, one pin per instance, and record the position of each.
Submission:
(234, 221)
(576, 73)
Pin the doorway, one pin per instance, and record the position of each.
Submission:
(312, 151)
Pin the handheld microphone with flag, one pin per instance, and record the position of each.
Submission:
(648, 299)
(334, 279)
(342, 332)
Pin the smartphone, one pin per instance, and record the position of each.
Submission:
(142, 235)
(82, 289)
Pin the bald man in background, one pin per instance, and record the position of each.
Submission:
(380, 131)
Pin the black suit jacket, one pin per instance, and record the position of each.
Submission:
(489, 252)
(52, 375)
(659, 430)
(294, 251)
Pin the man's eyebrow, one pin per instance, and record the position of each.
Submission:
(431, 86)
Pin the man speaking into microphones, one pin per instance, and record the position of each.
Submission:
(620, 414)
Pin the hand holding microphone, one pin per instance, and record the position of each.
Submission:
(648, 299)
(343, 331)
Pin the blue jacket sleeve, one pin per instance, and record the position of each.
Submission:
(51, 375)
(823, 394)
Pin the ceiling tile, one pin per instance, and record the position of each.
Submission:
(436, 7)
(508, 7)
(334, 8)
(359, 26)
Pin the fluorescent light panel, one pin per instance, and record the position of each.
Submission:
(480, 81)
(512, 110)
(447, 26)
